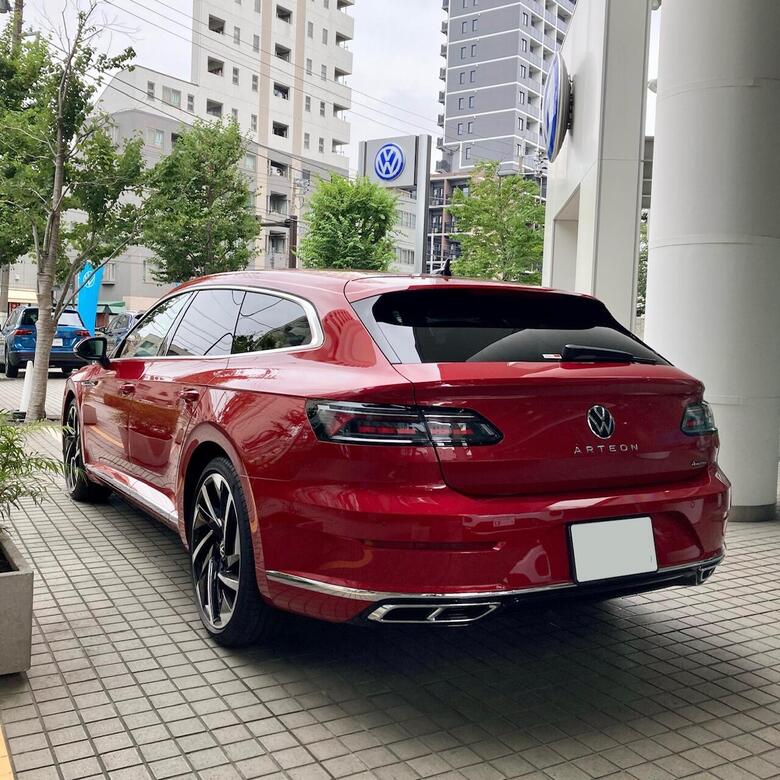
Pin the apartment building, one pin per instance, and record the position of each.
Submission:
(497, 55)
(279, 68)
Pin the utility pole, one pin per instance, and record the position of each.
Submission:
(16, 42)
(293, 243)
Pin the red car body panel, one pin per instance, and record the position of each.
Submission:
(405, 519)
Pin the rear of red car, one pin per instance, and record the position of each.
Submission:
(553, 453)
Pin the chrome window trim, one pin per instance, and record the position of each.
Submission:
(318, 335)
(358, 594)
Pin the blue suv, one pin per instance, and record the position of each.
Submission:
(17, 340)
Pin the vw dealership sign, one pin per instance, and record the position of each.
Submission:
(389, 162)
(556, 107)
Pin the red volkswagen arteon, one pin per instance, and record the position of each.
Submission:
(398, 449)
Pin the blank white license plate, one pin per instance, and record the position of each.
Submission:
(613, 548)
(56, 342)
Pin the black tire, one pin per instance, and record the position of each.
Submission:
(66, 371)
(222, 560)
(11, 371)
(79, 487)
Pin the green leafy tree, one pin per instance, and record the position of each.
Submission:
(641, 287)
(350, 226)
(500, 227)
(199, 216)
(62, 174)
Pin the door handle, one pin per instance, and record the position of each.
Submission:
(190, 395)
(126, 389)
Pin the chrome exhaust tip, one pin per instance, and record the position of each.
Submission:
(440, 614)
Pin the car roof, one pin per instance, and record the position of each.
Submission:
(354, 284)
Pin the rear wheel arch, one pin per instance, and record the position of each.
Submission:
(201, 456)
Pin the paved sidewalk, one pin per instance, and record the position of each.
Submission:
(125, 684)
(11, 393)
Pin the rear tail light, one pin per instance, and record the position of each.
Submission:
(23, 332)
(355, 423)
(82, 334)
(698, 419)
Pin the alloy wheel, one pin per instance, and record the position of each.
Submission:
(216, 551)
(71, 449)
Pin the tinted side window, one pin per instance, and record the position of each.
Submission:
(208, 324)
(267, 322)
(148, 337)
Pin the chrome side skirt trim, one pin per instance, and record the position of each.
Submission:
(358, 594)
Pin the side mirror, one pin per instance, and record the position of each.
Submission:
(94, 350)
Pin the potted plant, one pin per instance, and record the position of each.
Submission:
(22, 475)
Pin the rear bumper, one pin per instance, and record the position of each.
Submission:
(338, 553)
(57, 359)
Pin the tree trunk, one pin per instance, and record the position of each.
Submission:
(47, 269)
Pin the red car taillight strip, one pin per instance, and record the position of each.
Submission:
(348, 422)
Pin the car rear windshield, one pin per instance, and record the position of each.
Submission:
(491, 326)
(68, 319)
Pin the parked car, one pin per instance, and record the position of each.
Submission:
(120, 326)
(19, 335)
(398, 449)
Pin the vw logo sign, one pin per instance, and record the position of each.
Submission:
(389, 162)
(556, 107)
(601, 422)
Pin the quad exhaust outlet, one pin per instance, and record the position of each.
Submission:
(444, 614)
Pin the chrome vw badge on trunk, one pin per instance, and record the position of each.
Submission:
(601, 422)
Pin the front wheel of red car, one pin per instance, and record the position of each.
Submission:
(222, 560)
(79, 486)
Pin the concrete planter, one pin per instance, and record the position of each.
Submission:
(16, 605)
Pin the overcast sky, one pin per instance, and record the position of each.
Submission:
(396, 48)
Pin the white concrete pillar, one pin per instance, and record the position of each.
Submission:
(713, 293)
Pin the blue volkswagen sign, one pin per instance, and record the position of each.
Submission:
(389, 162)
(556, 107)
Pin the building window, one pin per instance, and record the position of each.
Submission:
(191, 104)
(470, 128)
(257, 6)
(472, 76)
(406, 256)
(253, 123)
(460, 128)
(325, 35)
(471, 101)
(171, 96)
(462, 77)
(523, 71)
(468, 152)
(307, 103)
(282, 52)
(281, 91)
(256, 42)
(281, 130)
(150, 90)
(217, 25)
(157, 138)
(322, 146)
(474, 25)
(255, 83)
(215, 67)
(322, 108)
(326, 3)
(521, 97)
(310, 29)
(464, 27)
(525, 18)
(237, 36)
(306, 141)
(463, 52)
(523, 44)
(461, 104)
(324, 72)
(520, 123)
(473, 49)
(309, 67)
(234, 113)
(284, 14)
(235, 75)
(213, 108)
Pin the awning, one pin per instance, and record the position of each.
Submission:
(111, 307)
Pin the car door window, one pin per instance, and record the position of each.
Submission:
(208, 325)
(149, 335)
(269, 322)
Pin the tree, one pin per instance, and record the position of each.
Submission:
(199, 216)
(57, 159)
(350, 225)
(500, 227)
(641, 286)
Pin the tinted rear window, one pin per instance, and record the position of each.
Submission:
(68, 319)
(490, 326)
